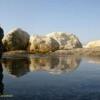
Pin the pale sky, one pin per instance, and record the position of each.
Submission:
(81, 17)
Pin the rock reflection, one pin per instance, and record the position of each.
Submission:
(51, 64)
(94, 59)
(54, 64)
(16, 67)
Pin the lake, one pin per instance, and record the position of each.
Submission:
(50, 78)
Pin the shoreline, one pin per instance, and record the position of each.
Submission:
(72, 52)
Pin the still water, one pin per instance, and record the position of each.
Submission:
(50, 78)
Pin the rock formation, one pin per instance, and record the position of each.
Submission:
(16, 39)
(93, 44)
(65, 40)
(42, 44)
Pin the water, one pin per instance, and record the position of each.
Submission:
(50, 78)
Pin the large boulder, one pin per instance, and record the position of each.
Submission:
(93, 44)
(42, 44)
(16, 39)
(66, 40)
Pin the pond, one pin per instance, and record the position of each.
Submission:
(50, 78)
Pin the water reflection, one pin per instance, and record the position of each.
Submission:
(54, 64)
(16, 67)
(51, 64)
(94, 59)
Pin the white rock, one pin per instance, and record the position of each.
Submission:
(93, 44)
(42, 44)
(66, 40)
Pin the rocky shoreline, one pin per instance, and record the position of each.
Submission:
(80, 52)
(18, 39)
(74, 52)
(18, 43)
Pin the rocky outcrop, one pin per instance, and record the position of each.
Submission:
(65, 40)
(16, 39)
(93, 44)
(42, 44)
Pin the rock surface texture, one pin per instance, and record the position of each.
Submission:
(93, 44)
(42, 44)
(16, 39)
(66, 40)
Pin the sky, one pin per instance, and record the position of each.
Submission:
(80, 17)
